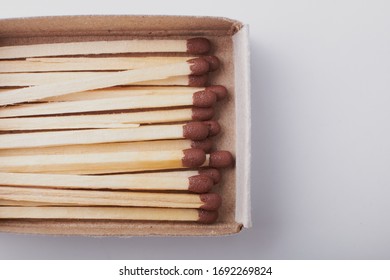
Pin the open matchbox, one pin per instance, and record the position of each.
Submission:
(229, 39)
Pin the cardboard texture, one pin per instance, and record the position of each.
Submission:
(233, 114)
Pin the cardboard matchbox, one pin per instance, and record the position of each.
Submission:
(230, 43)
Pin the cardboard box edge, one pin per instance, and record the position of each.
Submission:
(241, 50)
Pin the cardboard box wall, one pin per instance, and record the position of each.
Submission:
(230, 44)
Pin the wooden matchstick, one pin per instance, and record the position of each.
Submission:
(4, 202)
(123, 91)
(104, 163)
(206, 201)
(204, 98)
(128, 91)
(122, 120)
(191, 46)
(56, 64)
(109, 213)
(188, 81)
(192, 130)
(194, 66)
(200, 183)
(157, 145)
(39, 79)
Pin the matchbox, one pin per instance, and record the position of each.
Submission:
(229, 43)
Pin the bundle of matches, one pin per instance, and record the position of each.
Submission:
(107, 130)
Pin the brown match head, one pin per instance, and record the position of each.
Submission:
(202, 114)
(198, 66)
(200, 184)
(212, 201)
(221, 159)
(204, 98)
(213, 61)
(207, 217)
(198, 80)
(213, 173)
(205, 145)
(193, 158)
(220, 91)
(195, 131)
(198, 45)
(214, 127)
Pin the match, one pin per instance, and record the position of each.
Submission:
(123, 91)
(192, 130)
(121, 120)
(204, 98)
(110, 213)
(191, 46)
(200, 183)
(38, 79)
(155, 145)
(206, 201)
(176, 81)
(57, 64)
(60, 64)
(127, 91)
(105, 163)
(192, 67)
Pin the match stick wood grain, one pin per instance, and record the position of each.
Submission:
(127, 91)
(109, 213)
(181, 80)
(100, 163)
(4, 202)
(200, 99)
(105, 163)
(139, 181)
(192, 130)
(39, 79)
(124, 91)
(156, 145)
(50, 64)
(192, 46)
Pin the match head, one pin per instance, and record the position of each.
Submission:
(202, 114)
(198, 45)
(204, 98)
(212, 201)
(213, 173)
(205, 145)
(221, 159)
(200, 184)
(207, 217)
(198, 66)
(213, 61)
(195, 131)
(198, 80)
(220, 91)
(214, 127)
(193, 158)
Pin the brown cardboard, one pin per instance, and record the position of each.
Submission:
(87, 28)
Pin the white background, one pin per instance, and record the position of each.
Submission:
(321, 134)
